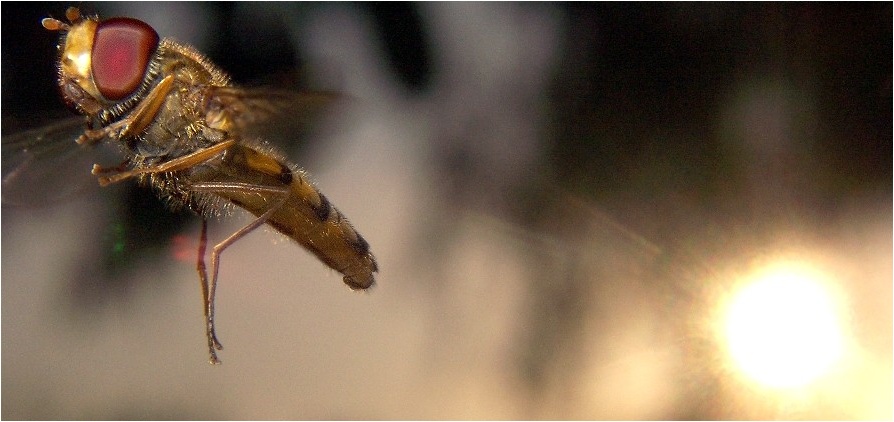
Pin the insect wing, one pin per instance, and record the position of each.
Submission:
(281, 116)
(45, 165)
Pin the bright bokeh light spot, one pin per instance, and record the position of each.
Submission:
(782, 329)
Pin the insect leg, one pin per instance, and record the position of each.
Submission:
(137, 120)
(97, 169)
(203, 278)
(209, 288)
(180, 163)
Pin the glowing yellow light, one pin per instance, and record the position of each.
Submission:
(782, 329)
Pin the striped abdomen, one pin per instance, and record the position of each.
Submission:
(306, 215)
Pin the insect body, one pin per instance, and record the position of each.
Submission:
(182, 127)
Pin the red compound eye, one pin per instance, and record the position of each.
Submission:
(122, 49)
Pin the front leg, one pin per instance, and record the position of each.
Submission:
(135, 122)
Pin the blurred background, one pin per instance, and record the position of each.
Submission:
(587, 211)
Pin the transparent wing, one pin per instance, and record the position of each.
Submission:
(45, 165)
(282, 116)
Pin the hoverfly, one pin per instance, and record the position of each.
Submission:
(185, 131)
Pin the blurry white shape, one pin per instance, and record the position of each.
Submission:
(782, 329)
